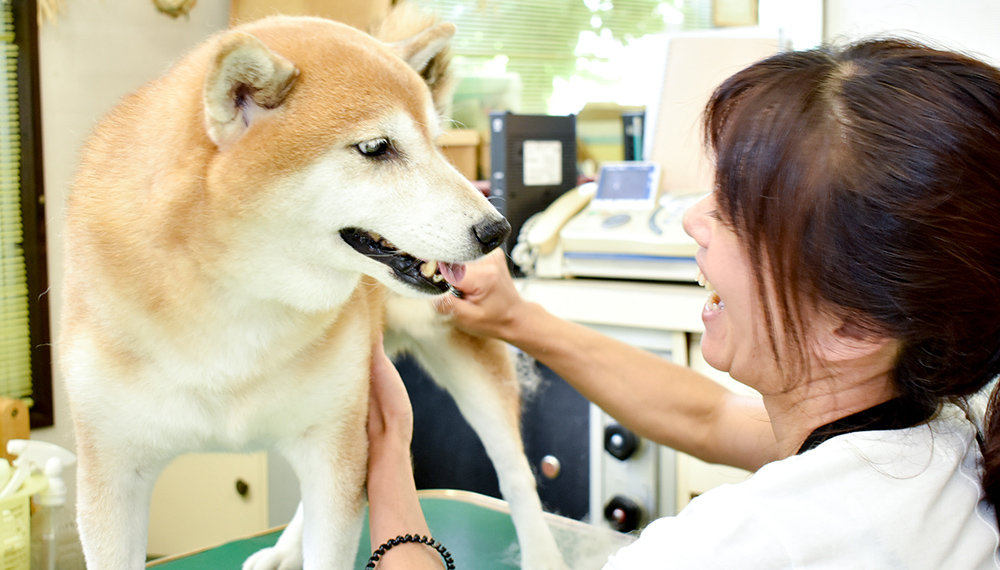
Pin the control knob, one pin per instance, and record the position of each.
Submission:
(620, 442)
(623, 513)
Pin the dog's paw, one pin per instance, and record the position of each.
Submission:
(275, 558)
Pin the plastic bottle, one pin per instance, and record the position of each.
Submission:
(48, 459)
(32, 457)
(4, 472)
(50, 502)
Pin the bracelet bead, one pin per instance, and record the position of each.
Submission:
(379, 552)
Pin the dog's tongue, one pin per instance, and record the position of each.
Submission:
(452, 272)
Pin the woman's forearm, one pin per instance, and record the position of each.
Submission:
(660, 400)
(394, 510)
(393, 506)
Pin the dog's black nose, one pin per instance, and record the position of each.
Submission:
(491, 234)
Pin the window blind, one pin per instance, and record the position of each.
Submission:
(539, 43)
(15, 343)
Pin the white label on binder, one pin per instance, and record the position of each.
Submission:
(543, 163)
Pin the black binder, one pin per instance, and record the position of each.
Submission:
(533, 162)
(633, 134)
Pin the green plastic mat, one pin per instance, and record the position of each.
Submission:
(477, 536)
(477, 530)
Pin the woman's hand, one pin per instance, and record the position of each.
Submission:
(393, 505)
(390, 416)
(489, 302)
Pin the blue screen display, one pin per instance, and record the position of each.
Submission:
(625, 182)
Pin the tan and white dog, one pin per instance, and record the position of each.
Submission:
(239, 233)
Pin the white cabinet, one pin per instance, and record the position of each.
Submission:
(205, 499)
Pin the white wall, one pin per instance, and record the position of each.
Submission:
(96, 52)
(966, 25)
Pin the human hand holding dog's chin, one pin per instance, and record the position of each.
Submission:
(489, 299)
(393, 506)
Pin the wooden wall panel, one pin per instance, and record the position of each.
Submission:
(360, 14)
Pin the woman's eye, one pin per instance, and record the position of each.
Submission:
(374, 148)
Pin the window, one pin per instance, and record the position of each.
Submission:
(25, 355)
(552, 57)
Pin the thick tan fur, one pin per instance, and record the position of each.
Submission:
(212, 304)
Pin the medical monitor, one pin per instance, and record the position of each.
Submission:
(629, 185)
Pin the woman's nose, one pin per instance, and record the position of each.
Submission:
(696, 220)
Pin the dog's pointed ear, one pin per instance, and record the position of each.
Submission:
(245, 78)
(428, 53)
(422, 41)
(421, 48)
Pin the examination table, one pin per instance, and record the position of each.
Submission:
(476, 529)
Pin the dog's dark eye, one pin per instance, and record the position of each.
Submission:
(375, 148)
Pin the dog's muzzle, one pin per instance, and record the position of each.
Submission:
(431, 277)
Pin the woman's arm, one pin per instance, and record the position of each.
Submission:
(393, 507)
(662, 401)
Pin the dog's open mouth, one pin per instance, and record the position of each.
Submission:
(431, 277)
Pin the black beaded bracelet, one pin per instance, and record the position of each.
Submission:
(380, 551)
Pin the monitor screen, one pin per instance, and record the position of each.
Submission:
(627, 185)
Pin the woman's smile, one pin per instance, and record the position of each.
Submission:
(714, 302)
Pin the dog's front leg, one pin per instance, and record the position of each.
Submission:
(331, 464)
(113, 494)
(479, 376)
(332, 478)
(286, 554)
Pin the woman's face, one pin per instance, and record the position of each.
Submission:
(735, 338)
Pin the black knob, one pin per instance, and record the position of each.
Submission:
(620, 442)
(623, 514)
(242, 487)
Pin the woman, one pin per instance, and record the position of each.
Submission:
(853, 248)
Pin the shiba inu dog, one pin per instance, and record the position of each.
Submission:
(239, 233)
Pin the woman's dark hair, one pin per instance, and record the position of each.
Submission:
(866, 180)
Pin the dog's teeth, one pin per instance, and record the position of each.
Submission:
(375, 236)
(429, 268)
(437, 278)
(387, 244)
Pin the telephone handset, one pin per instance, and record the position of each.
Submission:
(544, 231)
(539, 234)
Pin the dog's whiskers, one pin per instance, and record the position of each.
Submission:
(454, 123)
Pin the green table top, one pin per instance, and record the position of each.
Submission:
(477, 530)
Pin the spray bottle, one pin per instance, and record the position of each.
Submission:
(49, 459)
(4, 472)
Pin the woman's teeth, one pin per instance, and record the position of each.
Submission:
(703, 281)
(714, 302)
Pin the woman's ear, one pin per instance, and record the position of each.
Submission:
(839, 340)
